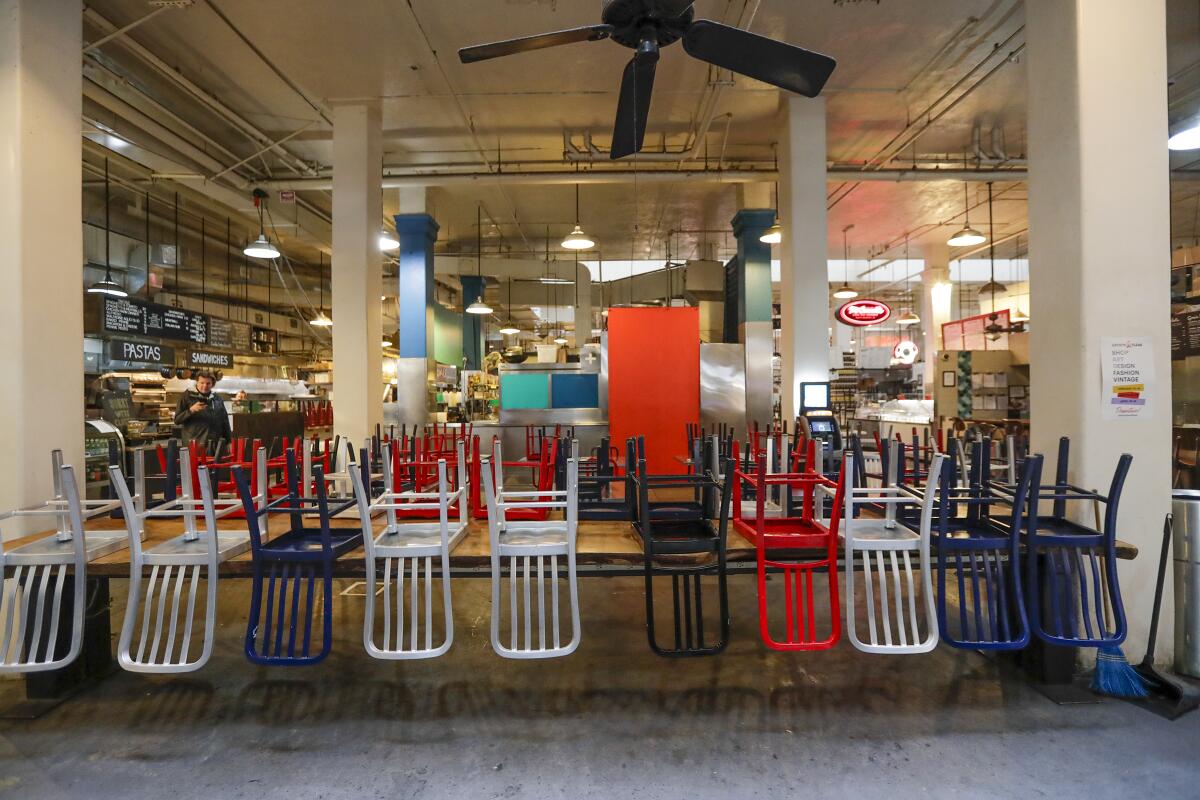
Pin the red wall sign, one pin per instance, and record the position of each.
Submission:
(861, 313)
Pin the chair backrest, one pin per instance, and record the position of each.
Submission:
(31, 585)
(566, 499)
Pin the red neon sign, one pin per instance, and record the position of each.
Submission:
(861, 313)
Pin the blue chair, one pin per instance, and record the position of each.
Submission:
(985, 554)
(288, 568)
(1073, 596)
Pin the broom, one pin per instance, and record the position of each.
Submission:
(1114, 675)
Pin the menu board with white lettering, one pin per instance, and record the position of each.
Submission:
(1190, 319)
(125, 315)
(1178, 337)
(229, 334)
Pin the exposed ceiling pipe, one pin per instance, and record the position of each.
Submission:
(229, 115)
(612, 176)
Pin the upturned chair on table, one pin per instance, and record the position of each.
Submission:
(407, 547)
(292, 565)
(795, 548)
(685, 541)
(887, 548)
(161, 617)
(522, 544)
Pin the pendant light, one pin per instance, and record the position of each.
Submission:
(909, 317)
(320, 320)
(993, 286)
(261, 247)
(1187, 138)
(108, 286)
(773, 234)
(577, 239)
(968, 235)
(388, 242)
(845, 291)
(479, 306)
(509, 328)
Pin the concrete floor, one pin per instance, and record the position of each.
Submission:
(612, 720)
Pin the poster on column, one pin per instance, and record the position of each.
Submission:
(1127, 377)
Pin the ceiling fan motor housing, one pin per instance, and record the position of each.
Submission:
(631, 19)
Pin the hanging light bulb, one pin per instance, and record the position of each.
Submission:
(1186, 139)
(560, 339)
(1018, 315)
(387, 242)
(387, 342)
(108, 286)
(509, 328)
(968, 235)
(577, 239)
(907, 318)
(479, 306)
(773, 234)
(320, 320)
(261, 248)
(845, 291)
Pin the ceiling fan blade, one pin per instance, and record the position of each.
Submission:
(633, 107)
(665, 9)
(777, 63)
(482, 52)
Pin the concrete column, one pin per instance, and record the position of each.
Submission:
(935, 308)
(357, 270)
(1100, 257)
(472, 324)
(804, 271)
(41, 307)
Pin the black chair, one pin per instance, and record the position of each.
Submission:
(685, 546)
(603, 494)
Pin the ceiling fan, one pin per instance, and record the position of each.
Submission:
(647, 25)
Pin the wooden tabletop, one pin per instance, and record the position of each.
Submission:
(600, 544)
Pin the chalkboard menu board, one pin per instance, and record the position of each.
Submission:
(1185, 333)
(126, 315)
(228, 334)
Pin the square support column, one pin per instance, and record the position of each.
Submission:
(754, 310)
(357, 270)
(415, 299)
(804, 271)
(41, 308)
(1099, 244)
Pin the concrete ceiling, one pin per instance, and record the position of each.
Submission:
(929, 71)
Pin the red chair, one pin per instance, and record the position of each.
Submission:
(796, 547)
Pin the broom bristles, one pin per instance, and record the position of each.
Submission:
(1115, 677)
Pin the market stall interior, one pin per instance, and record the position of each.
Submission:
(714, 357)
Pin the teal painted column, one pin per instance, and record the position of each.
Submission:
(417, 233)
(754, 260)
(472, 324)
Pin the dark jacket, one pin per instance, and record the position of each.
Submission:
(209, 425)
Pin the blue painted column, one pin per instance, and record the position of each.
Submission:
(415, 301)
(754, 310)
(417, 233)
(754, 259)
(472, 324)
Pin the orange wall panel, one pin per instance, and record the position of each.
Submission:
(654, 380)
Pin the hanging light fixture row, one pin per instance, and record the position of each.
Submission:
(108, 286)
(320, 320)
(509, 327)
(845, 291)
(261, 247)
(479, 306)
(909, 317)
(773, 234)
(577, 239)
(968, 235)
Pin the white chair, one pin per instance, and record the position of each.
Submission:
(402, 542)
(164, 636)
(523, 542)
(39, 577)
(887, 548)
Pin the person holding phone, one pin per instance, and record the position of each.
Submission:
(201, 415)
